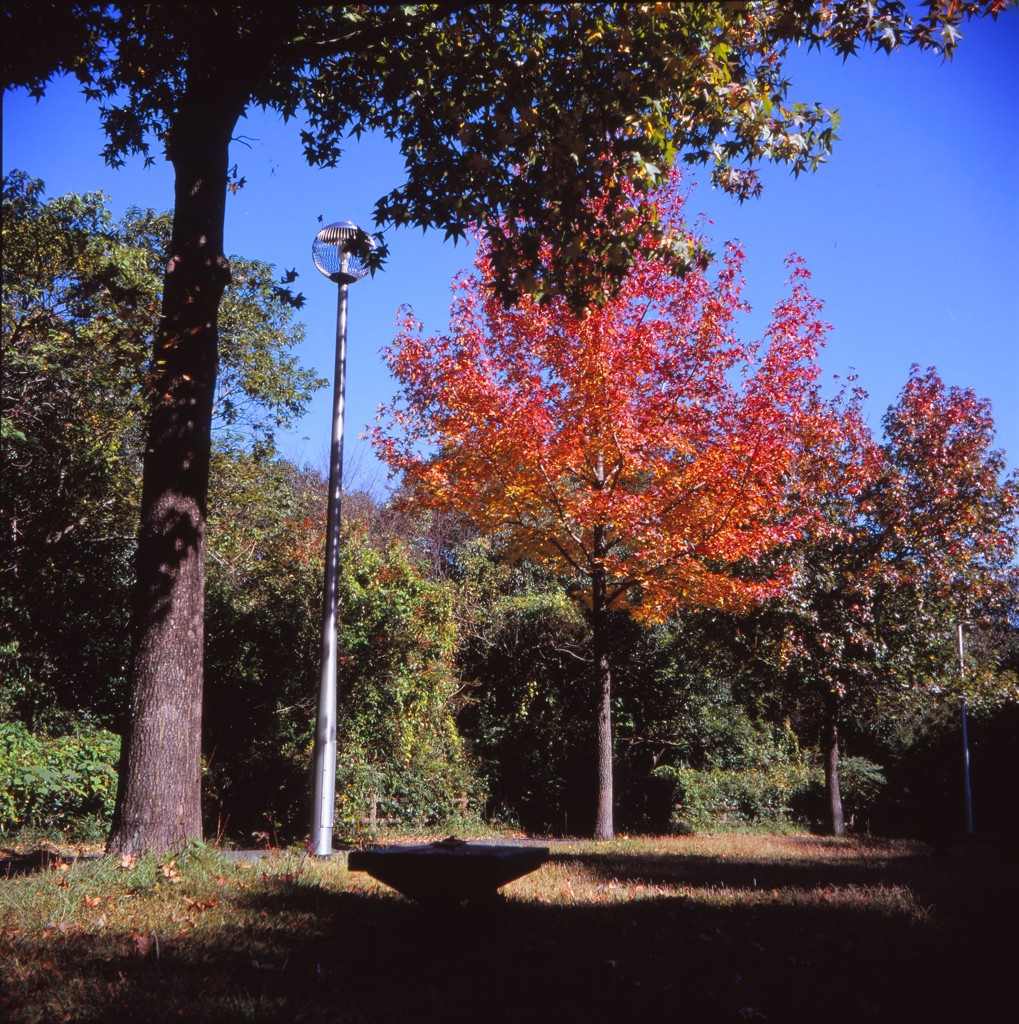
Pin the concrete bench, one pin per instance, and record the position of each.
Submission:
(449, 871)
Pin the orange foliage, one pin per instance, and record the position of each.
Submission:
(644, 444)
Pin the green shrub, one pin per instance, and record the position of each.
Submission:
(400, 757)
(860, 784)
(758, 791)
(65, 784)
(400, 760)
(715, 800)
(436, 790)
(860, 781)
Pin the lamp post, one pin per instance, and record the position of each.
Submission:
(340, 251)
(967, 788)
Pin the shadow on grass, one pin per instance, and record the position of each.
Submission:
(969, 877)
(15, 865)
(696, 870)
(308, 953)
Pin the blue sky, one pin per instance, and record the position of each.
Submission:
(910, 231)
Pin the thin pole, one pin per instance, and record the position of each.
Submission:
(325, 729)
(967, 789)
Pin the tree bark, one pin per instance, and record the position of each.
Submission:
(604, 826)
(159, 796)
(830, 743)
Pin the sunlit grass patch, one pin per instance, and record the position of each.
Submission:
(722, 872)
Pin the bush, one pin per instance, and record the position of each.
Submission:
(760, 791)
(65, 784)
(400, 758)
(860, 783)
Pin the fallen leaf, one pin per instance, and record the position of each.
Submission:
(170, 873)
(200, 905)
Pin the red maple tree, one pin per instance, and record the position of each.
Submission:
(945, 505)
(913, 536)
(643, 448)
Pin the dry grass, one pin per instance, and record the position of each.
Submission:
(700, 928)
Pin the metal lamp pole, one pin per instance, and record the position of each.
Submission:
(967, 788)
(340, 252)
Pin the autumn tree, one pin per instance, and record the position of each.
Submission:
(947, 513)
(817, 642)
(643, 448)
(941, 520)
(526, 109)
(946, 508)
(918, 535)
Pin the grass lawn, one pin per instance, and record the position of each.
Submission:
(707, 928)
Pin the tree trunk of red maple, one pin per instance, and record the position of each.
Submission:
(159, 796)
(830, 744)
(603, 826)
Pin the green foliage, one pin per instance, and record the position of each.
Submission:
(862, 784)
(400, 749)
(81, 294)
(401, 759)
(525, 651)
(65, 784)
(263, 619)
(924, 759)
(260, 386)
(752, 778)
(81, 298)
(862, 781)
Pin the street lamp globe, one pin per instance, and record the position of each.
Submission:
(342, 252)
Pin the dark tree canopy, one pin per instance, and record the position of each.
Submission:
(509, 116)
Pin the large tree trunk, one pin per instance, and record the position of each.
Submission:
(604, 826)
(830, 743)
(159, 798)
